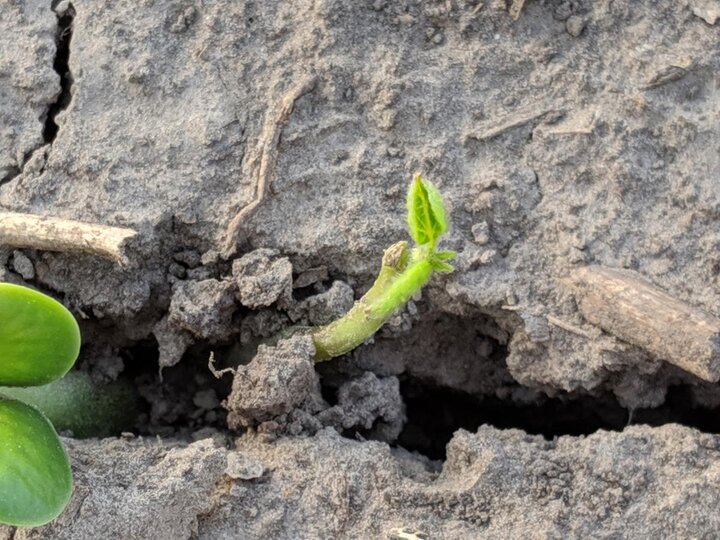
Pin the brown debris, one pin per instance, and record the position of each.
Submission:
(64, 235)
(624, 304)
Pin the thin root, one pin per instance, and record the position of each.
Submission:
(218, 373)
(262, 162)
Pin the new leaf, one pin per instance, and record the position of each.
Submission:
(426, 212)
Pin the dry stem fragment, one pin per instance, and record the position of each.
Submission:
(624, 304)
(569, 327)
(667, 75)
(512, 121)
(516, 8)
(64, 235)
(261, 162)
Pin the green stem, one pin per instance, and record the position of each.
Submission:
(394, 286)
(401, 290)
(358, 324)
(397, 281)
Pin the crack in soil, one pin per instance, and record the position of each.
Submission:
(61, 66)
(435, 413)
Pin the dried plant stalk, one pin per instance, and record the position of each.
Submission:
(64, 235)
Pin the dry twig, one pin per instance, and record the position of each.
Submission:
(569, 327)
(516, 8)
(64, 235)
(514, 120)
(624, 304)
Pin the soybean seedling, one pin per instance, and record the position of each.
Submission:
(39, 343)
(403, 273)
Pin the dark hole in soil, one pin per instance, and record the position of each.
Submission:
(60, 65)
(140, 358)
(435, 413)
(318, 287)
(329, 393)
(179, 404)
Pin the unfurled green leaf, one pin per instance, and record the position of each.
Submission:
(426, 213)
(39, 337)
(441, 266)
(35, 475)
(437, 208)
(445, 255)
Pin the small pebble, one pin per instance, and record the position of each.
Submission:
(177, 270)
(575, 25)
(310, 277)
(206, 399)
(576, 256)
(23, 266)
(481, 233)
(487, 256)
(210, 257)
(62, 7)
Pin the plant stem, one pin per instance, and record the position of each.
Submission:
(362, 321)
(414, 278)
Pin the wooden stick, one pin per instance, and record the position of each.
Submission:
(57, 234)
(261, 163)
(624, 304)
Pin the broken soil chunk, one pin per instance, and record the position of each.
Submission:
(262, 278)
(204, 308)
(278, 380)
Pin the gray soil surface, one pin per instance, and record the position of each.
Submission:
(642, 483)
(565, 134)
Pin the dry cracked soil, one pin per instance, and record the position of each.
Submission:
(561, 383)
